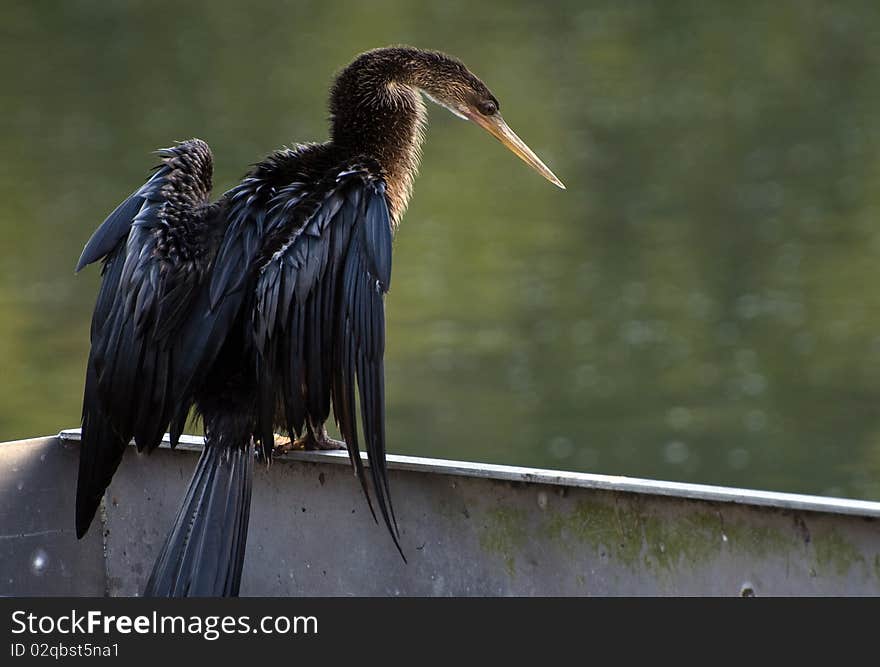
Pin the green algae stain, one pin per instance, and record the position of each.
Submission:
(670, 544)
(600, 525)
(634, 538)
(504, 534)
(761, 541)
(835, 554)
(639, 539)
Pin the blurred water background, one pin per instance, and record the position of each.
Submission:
(699, 305)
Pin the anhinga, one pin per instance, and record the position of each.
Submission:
(262, 309)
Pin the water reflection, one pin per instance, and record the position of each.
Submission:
(697, 306)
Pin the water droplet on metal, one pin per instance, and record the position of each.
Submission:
(39, 562)
(542, 499)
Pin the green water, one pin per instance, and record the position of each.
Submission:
(699, 305)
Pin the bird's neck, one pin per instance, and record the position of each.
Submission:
(377, 111)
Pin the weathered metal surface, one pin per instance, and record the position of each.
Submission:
(39, 552)
(683, 490)
(470, 529)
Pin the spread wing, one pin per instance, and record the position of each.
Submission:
(319, 318)
(157, 247)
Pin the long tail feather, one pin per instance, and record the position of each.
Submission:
(203, 555)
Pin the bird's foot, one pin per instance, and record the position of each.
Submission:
(282, 445)
(309, 442)
(322, 443)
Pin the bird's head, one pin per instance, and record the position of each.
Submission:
(447, 81)
(389, 77)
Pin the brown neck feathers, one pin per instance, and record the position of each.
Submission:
(377, 111)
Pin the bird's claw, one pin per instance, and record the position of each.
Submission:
(308, 443)
(323, 443)
(282, 445)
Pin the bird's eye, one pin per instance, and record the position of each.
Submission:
(488, 108)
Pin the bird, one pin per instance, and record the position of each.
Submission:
(262, 310)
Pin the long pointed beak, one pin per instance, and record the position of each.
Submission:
(496, 126)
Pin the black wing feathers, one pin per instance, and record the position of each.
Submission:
(367, 274)
(319, 321)
(100, 455)
(243, 238)
(308, 262)
(156, 248)
(113, 229)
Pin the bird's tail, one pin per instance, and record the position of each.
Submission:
(204, 552)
